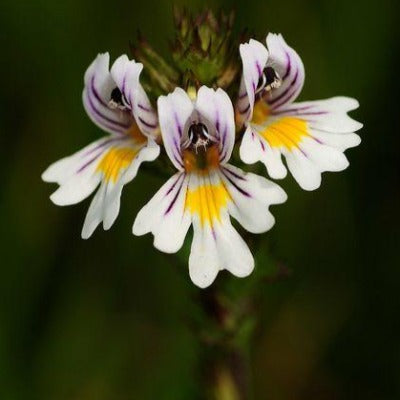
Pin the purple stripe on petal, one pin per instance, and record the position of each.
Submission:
(242, 95)
(100, 146)
(148, 124)
(224, 135)
(84, 166)
(223, 150)
(239, 189)
(96, 93)
(259, 69)
(285, 92)
(123, 85)
(173, 185)
(234, 174)
(317, 140)
(244, 111)
(178, 125)
(222, 156)
(101, 115)
(315, 113)
(303, 152)
(290, 95)
(178, 161)
(100, 119)
(177, 152)
(300, 111)
(262, 145)
(144, 108)
(294, 109)
(288, 66)
(172, 203)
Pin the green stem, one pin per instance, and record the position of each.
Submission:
(225, 363)
(231, 381)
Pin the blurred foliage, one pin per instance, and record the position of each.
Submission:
(107, 318)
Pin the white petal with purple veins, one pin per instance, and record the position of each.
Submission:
(287, 63)
(63, 169)
(251, 197)
(97, 94)
(76, 174)
(312, 135)
(174, 110)
(254, 58)
(126, 74)
(217, 107)
(105, 205)
(165, 215)
(254, 148)
(337, 140)
(328, 115)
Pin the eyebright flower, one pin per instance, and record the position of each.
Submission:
(312, 136)
(197, 129)
(116, 102)
(199, 136)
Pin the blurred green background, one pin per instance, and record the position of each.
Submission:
(105, 318)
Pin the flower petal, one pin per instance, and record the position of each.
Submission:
(216, 244)
(304, 171)
(216, 107)
(76, 174)
(329, 115)
(111, 161)
(174, 111)
(217, 248)
(126, 75)
(251, 197)
(254, 58)
(290, 68)
(96, 96)
(118, 167)
(253, 149)
(165, 215)
(312, 136)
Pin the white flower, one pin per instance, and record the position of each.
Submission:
(199, 136)
(312, 136)
(116, 102)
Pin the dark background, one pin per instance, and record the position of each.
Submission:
(105, 318)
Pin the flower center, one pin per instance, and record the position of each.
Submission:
(199, 138)
(269, 80)
(201, 162)
(200, 150)
(117, 100)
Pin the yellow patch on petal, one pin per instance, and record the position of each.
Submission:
(115, 160)
(260, 113)
(207, 200)
(286, 132)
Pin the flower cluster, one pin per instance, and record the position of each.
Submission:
(198, 127)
